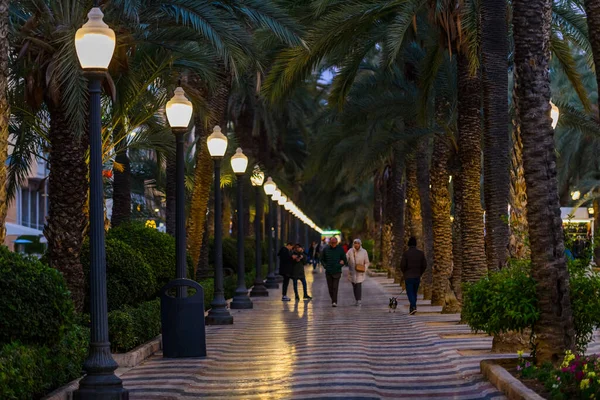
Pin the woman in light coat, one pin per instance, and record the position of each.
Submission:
(357, 256)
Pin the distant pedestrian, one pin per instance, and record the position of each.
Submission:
(345, 247)
(285, 268)
(313, 254)
(413, 266)
(358, 263)
(333, 259)
(298, 271)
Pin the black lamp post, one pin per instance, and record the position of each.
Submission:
(281, 201)
(95, 44)
(239, 163)
(259, 289)
(272, 192)
(218, 314)
(179, 114)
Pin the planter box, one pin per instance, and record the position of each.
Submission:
(127, 360)
(513, 389)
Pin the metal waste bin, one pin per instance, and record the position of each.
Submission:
(182, 320)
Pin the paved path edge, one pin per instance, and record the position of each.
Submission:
(503, 380)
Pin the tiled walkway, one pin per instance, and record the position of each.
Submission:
(311, 350)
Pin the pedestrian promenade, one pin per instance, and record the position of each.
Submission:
(303, 350)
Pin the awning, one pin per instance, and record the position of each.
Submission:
(575, 215)
(18, 230)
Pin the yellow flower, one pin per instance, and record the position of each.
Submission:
(591, 374)
(520, 353)
(585, 383)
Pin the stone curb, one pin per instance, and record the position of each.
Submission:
(125, 361)
(513, 388)
(374, 274)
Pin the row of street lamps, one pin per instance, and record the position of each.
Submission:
(95, 45)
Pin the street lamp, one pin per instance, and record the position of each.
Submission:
(576, 195)
(179, 113)
(271, 191)
(239, 163)
(95, 45)
(281, 201)
(218, 314)
(257, 179)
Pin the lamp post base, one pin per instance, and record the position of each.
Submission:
(271, 282)
(241, 301)
(219, 315)
(259, 289)
(101, 387)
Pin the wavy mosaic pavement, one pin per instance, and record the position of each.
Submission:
(311, 350)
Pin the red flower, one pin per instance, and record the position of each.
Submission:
(107, 173)
(579, 375)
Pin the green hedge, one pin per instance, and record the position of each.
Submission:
(230, 254)
(157, 248)
(30, 371)
(35, 304)
(133, 326)
(130, 280)
(506, 301)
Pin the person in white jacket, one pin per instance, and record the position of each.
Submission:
(357, 256)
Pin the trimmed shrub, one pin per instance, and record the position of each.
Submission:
(157, 248)
(35, 304)
(131, 327)
(130, 280)
(230, 254)
(30, 371)
(506, 301)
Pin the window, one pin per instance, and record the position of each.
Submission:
(33, 205)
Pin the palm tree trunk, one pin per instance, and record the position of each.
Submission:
(457, 258)
(413, 223)
(496, 184)
(121, 211)
(387, 217)
(398, 192)
(554, 330)
(424, 182)
(519, 230)
(469, 142)
(377, 218)
(203, 173)
(68, 191)
(171, 188)
(441, 224)
(4, 115)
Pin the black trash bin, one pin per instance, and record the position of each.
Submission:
(182, 320)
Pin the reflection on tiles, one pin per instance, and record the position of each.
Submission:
(309, 350)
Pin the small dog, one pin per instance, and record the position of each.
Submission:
(393, 304)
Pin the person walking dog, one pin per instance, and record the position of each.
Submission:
(333, 259)
(358, 263)
(413, 266)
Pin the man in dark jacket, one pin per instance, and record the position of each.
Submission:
(333, 259)
(413, 265)
(285, 268)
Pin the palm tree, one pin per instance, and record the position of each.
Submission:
(423, 179)
(4, 115)
(532, 25)
(494, 55)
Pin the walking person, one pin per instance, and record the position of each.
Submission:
(313, 254)
(358, 263)
(413, 266)
(333, 259)
(285, 268)
(299, 258)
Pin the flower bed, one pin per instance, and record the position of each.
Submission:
(578, 377)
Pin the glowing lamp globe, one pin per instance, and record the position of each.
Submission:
(95, 42)
(179, 110)
(270, 187)
(554, 114)
(282, 199)
(287, 205)
(576, 195)
(217, 143)
(258, 177)
(239, 162)
(276, 195)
